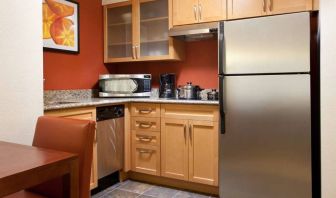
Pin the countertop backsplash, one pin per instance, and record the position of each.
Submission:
(63, 95)
(63, 99)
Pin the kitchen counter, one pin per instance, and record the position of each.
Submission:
(66, 104)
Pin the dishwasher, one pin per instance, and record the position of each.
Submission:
(110, 140)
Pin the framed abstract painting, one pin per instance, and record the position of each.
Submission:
(61, 25)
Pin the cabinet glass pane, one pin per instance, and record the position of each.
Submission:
(154, 28)
(119, 32)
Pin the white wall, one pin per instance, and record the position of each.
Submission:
(21, 69)
(328, 96)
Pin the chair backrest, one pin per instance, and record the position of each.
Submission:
(68, 135)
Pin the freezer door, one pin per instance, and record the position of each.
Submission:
(266, 149)
(274, 44)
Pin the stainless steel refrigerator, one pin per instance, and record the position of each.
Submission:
(265, 103)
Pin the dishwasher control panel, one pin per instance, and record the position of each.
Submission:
(110, 112)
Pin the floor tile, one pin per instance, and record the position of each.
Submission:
(117, 193)
(184, 194)
(161, 192)
(145, 196)
(134, 186)
(98, 195)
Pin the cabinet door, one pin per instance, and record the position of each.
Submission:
(174, 148)
(185, 12)
(154, 25)
(145, 158)
(214, 10)
(246, 8)
(203, 152)
(118, 32)
(288, 6)
(316, 4)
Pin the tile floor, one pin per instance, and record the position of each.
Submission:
(133, 189)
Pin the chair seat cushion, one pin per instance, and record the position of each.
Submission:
(24, 194)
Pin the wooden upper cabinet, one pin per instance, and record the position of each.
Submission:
(246, 8)
(253, 8)
(316, 4)
(137, 30)
(214, 10)
(185, 12)
(118, 40)
(288, 6)
(198, 11)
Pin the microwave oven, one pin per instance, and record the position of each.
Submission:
(125, 85)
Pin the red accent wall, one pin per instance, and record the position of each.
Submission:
(200, 66)
(81, 71)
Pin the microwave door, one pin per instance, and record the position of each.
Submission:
(125, 87)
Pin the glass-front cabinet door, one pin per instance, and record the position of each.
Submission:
(154, 25)
(118, 32)
(137, 30)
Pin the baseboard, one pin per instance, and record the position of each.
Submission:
(184, 185)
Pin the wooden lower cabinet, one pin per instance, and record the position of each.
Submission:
(183, 147)
(203, 152)
(174, 148)
(146, 159)
(189, 150)
(83, 114)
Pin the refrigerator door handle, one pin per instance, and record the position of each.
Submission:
(221, 48)
(221, 105)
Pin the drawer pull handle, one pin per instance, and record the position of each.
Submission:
(145, 111)
(145, 125)
(145, 139)
(145, 151)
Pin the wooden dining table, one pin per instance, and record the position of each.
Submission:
(22, 167)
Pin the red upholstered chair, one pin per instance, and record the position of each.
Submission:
(68, 135)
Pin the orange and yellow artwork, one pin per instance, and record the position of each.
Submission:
(60, 25)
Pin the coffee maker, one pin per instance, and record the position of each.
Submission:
(167, 85)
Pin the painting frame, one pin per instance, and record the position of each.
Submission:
(77, 36)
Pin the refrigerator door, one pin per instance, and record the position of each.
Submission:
(266, 149)
(275, 44)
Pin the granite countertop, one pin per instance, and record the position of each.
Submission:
(66, 104)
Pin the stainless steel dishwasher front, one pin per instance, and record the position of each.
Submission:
(110, 139)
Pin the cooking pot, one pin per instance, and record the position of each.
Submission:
(189, 91)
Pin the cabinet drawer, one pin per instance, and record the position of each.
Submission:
(145, 109)
(190, 112)
(146, 138)
(145, 124)
(146, 159)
